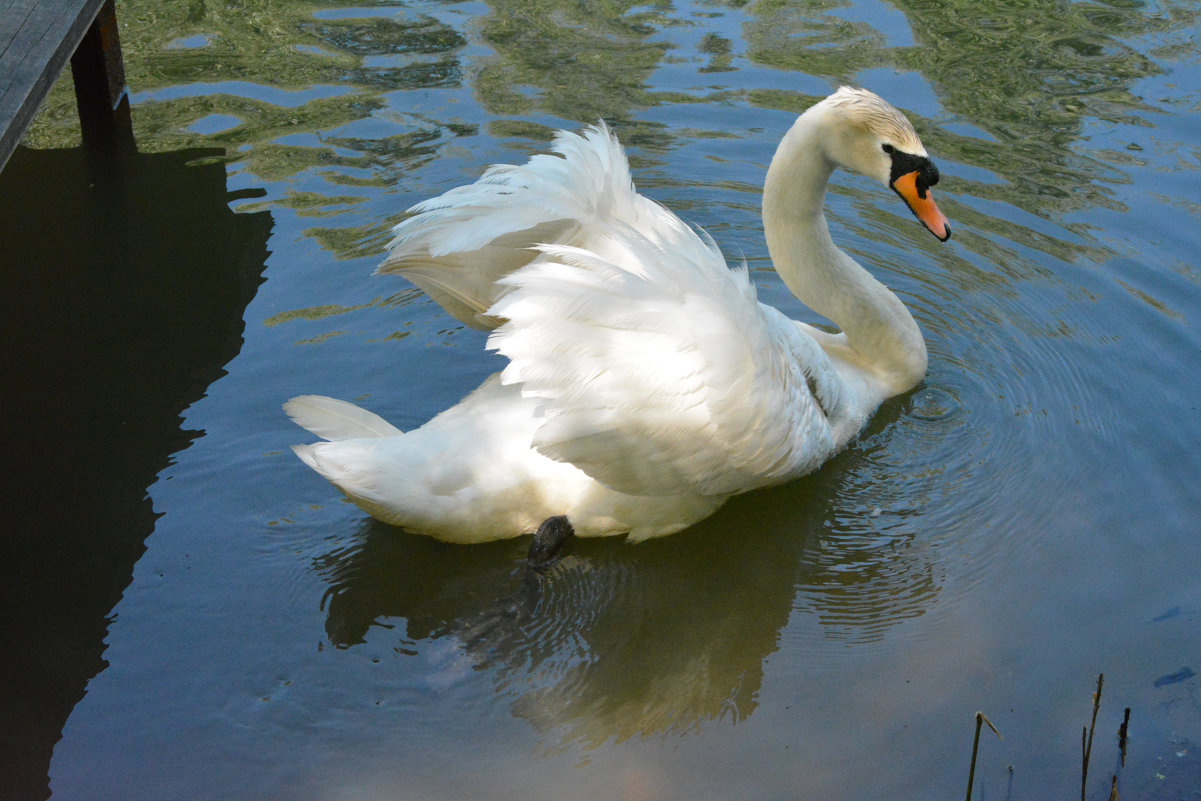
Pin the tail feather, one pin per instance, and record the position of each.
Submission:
(333, 419)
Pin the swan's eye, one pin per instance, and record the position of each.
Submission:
(887, 149)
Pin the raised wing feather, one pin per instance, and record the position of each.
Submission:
(458, 246)
(661, 372)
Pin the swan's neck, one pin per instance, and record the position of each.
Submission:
(879, 329)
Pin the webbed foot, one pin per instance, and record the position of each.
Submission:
(548, 540)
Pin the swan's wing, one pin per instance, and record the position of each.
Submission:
(457, 246)
(661, 372)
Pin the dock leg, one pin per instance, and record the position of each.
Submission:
(99, 76)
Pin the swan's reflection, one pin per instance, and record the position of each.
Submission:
(656, 639)
(615, 640)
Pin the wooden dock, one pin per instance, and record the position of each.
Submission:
(37, 38)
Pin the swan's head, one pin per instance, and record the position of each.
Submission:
(864, 133)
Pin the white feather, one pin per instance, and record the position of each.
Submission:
(458, 246)
(334, 419)
(662, 373)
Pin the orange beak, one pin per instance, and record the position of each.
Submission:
(922, 205)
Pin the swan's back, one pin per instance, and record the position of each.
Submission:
(660, 371)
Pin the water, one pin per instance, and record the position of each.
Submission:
(1020, 523)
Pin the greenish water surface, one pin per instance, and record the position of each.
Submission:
(195, 614)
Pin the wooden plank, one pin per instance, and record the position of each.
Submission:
(37, 37)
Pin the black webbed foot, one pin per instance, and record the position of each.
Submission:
(548, 540)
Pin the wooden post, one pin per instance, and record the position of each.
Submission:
(99, 76)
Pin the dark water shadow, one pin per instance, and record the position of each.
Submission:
(621, 640)
(124, 281)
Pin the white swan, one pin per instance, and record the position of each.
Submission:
(646, 384)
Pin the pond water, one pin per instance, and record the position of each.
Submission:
(195, 614)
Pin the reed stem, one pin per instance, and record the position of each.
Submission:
(981, 718)
(1086, 739)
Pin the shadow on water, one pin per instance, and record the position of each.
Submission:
(124, 284)
(617, 640)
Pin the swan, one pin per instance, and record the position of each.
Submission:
(645, 384)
